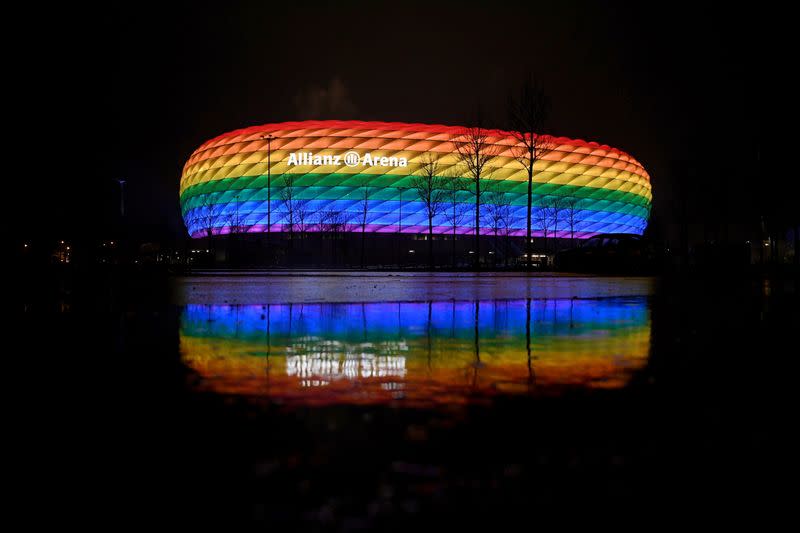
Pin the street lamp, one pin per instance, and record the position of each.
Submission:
(269, 139)
(121, 196)
(236, 219)
(400, 224)
(400, 215)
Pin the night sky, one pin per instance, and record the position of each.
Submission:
(131, 91)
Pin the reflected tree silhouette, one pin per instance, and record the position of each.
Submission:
(269, 362)
(428, 332)
(363, 321)
(531, 374)
(477, 364)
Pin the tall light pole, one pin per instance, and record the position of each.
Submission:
(236, 220)
(121, 197)
(400, 216)
(269, 180)
(235, 239)
(400, 225)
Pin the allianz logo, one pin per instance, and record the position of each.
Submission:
(351, 159)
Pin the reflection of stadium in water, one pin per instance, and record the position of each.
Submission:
(420, 352)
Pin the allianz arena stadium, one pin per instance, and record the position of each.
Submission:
(227, 186)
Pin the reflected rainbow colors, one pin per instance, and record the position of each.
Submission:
(414, 353)
(224, 186)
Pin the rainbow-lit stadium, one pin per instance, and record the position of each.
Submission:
(226, 183)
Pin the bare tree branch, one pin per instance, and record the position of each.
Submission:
(571, 208)
(430, 188)
(527, 114)
(456, 191)
(363, 211)
(474, 149)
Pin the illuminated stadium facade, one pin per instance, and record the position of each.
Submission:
(333, 166)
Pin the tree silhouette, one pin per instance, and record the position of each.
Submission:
(527, 114)
(209, 214)
(430, 188)
(363, 210)
(495, 215)
(473, 151)
(571, 206)
(455, 211)
(333, 223)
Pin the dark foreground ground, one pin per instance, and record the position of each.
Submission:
(103, 414)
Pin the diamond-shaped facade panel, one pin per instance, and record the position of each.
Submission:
(304, 176)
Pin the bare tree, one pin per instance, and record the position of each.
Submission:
(234, 220)
(430, 188)
(571, 205)
(363, 211)
(208, 214)
(473, 151)
(547, 217)
(333, 223)
(455, 211)
(543, 219)
(495, 205)
(289, 198)
(556, 212)
(508, 219)
(527, 115)
(303, 217)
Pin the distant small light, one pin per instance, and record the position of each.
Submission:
(112, 243)
(471, 252)
(62, 242)
(26, 246)
(411, 251)
(67, 247)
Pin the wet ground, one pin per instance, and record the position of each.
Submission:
(345, 402)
